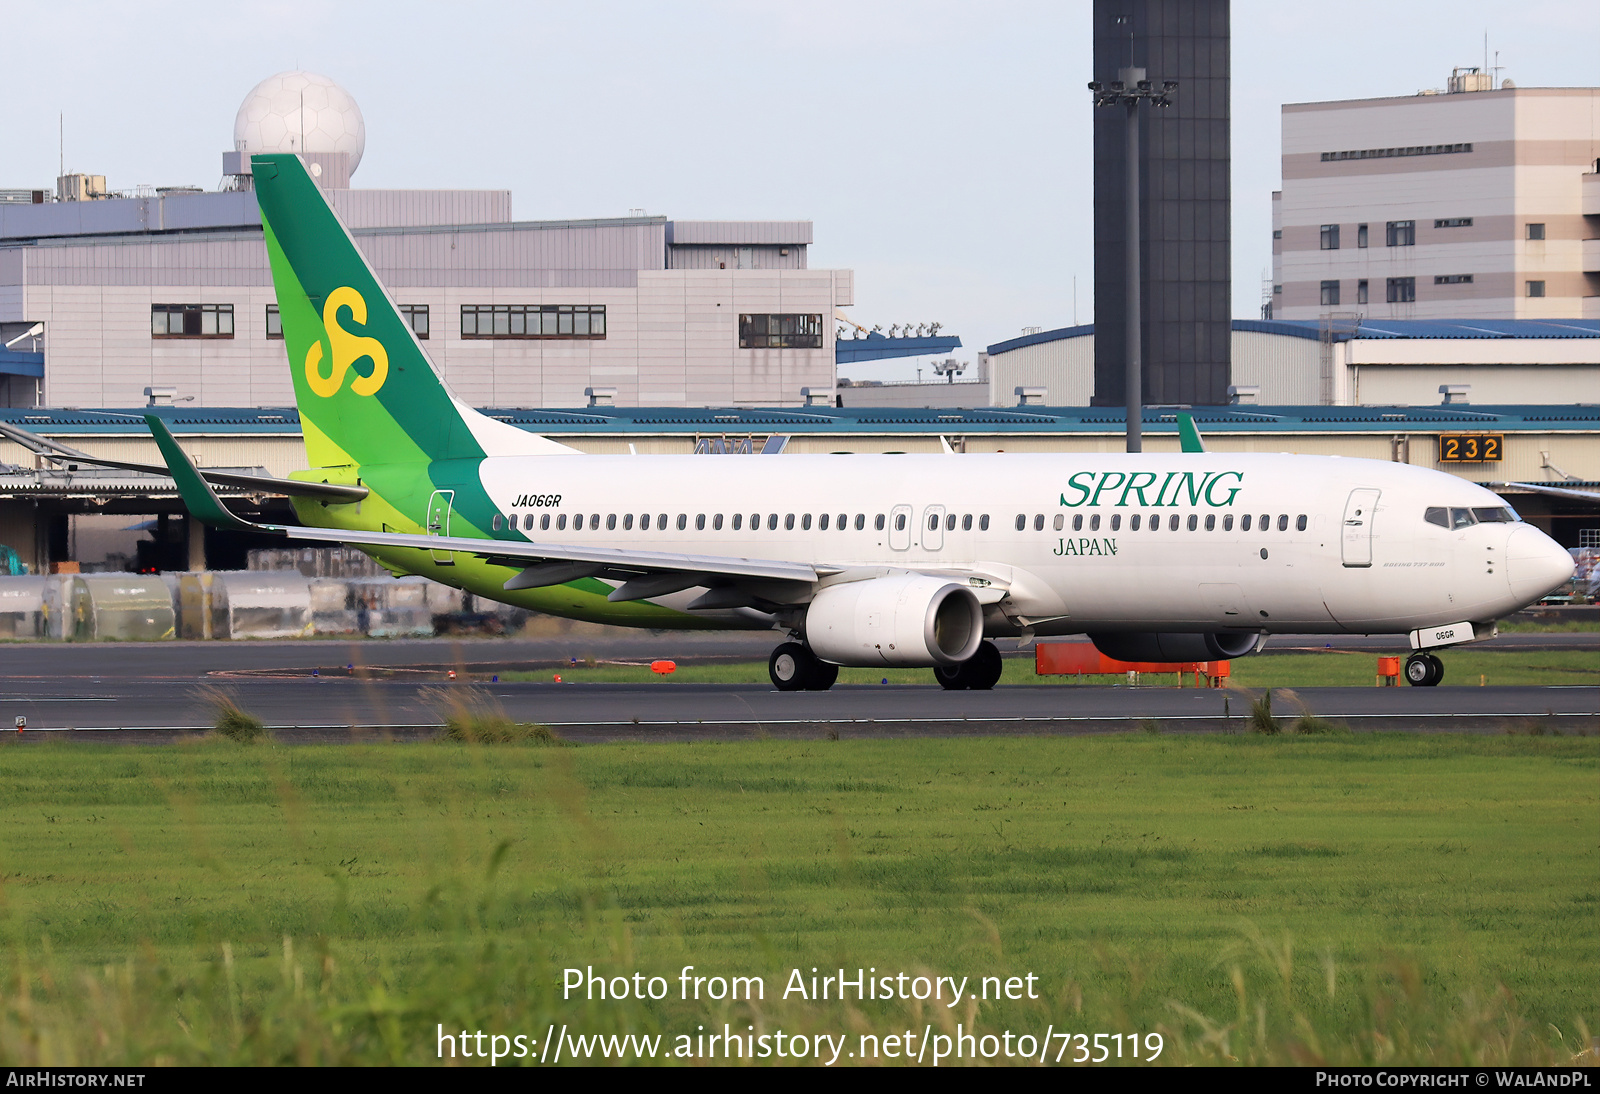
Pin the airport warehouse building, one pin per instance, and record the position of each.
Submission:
(1369, 362)
(173, 292)
(42, 510)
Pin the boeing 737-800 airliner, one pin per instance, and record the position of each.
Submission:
(866, 560)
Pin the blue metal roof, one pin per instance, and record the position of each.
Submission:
(268, 421)
(878, 347)
(1368, 328)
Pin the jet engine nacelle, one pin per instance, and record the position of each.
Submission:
(907, 619)
(1169, 646)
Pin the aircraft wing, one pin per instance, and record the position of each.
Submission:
(1545, 488)
(59, 453)
(649, 573)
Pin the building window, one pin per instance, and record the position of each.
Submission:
(1536, 231)
(1536, 288)
(1361, 235)
(274, 322)
(1330, 237)
(1330, 292)
(416, 316)
(1402, 290)
(191, 320)
(1401, 233)
(1277, 233)
(1453, 222)
(533, 321)
(1361, 291)
(780, 332)
(1453, 279)
(1277, 290)
(1390, 153)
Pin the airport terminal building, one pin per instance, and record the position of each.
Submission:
(170, 290)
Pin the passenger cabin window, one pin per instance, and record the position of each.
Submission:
(683, 521)
(627, 522)
(700, 522)
(544, 523)
(1211, 522)
(966, 523)
(1077, 522)
(611, 522)
(1038, 522)
(1300, 523)
(983, 523)
(497, 522)
(1244, 523)
(822, 522)
(1172, 525)
(1133, 523)
(1194, 522)
(1283, 522)
(738, 521)
(1094, 523)
(716, 523)
(1061, 521)
(899, 522)
(1022, 522)
(1116, 521)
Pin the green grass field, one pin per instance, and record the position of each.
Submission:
(1348, 898)
(1331, 668)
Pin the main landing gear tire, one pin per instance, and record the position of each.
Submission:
(1424, 670)
(980, 672)
(793, 667)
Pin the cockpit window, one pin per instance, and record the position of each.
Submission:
(1461, 518)
(1437, 515)
(1495, 515)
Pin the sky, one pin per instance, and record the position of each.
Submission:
(941, 149)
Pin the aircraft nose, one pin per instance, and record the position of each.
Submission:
(1535, 564)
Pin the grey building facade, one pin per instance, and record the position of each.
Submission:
(669, 313)
(1186, 229)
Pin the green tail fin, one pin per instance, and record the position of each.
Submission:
(366, 391)
(1189, 434)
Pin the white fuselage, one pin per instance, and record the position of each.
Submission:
(1268, 542)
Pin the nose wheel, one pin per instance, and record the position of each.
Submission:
(793, 667)
(1424, 670)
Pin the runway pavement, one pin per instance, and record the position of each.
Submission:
(151, 692)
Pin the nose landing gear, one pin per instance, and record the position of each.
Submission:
(793, 667)
(1424, 670)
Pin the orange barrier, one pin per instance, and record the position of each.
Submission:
(1083, 659)
(1388, 672)
(662, 668)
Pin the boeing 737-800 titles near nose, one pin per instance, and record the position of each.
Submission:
(902, 560)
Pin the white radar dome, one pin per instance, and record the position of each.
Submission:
(300, 112)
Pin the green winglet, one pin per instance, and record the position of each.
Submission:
(197, 495)
(1189, 434)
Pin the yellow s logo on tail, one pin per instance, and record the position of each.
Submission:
(347, 348)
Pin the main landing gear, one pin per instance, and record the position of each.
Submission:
(980, 672)
(1424, 670)
(793, 667)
